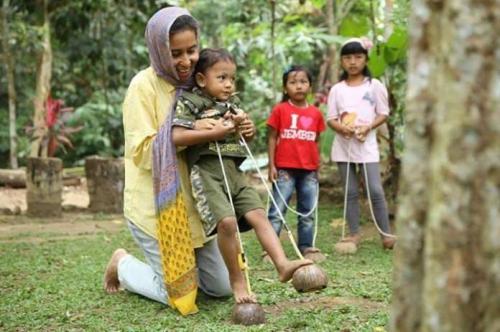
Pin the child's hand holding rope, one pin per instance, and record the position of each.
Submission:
(361, 132)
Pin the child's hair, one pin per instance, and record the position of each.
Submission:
(183, 23)
(288, 71)
(354, 47)
(210, 56)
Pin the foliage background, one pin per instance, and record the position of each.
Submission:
(98, 46)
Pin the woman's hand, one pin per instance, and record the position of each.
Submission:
(204, 124)
(239, 117)
(247, 129)
(221, 128)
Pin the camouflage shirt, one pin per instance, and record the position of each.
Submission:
(194, 105)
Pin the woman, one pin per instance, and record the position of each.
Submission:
(153, 174)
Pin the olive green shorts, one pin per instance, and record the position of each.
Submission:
(211, 195)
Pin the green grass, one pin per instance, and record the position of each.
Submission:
(56, 285)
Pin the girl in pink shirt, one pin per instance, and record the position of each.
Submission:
(357, 105)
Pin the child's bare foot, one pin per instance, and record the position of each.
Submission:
(111, 283)
(287, 269)
(241, 293)
(354, 238)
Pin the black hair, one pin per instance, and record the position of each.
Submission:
(210, 56)
(354, 48)
(183, 23)
(291, 69)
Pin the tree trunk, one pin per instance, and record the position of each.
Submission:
(105, 182)
(336, 11)
(44, 74)
(447, 271)
(273, 55)
(9, 69)
(386, 136)
(14, 178)
(44, 187)
(388, 27)
(333, 31)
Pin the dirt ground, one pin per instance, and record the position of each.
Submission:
(75, 222)
(13, 201)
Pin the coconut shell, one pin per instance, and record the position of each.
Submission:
(346, 248)
(248, 314)
(316, 257)
(309, 278)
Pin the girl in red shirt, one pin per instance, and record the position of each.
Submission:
(293, 147)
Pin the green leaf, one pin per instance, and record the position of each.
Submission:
(396, 46)
(377, 63)
(355, 26)
(291, 18)
(398, 39)
(318, 3)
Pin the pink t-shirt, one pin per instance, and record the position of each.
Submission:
(366, 100)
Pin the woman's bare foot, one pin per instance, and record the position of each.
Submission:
(111, 283)
(287, 269)
(241, 292)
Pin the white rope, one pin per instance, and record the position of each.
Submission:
(289, 208)
(368, 195)
(371, 207)
(269, 193)
(297, 213)
(316, 218)
(346, 189)
(249, 289)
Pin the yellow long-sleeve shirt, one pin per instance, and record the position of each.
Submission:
(147, 102)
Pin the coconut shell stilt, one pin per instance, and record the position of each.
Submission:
(309, 278)
(248, 314)
(243, 313)
(346, 247)
(314, 254)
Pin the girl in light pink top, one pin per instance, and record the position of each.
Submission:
(357, 105)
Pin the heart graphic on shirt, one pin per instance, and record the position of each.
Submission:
(305, 121)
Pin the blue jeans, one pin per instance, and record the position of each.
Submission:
(305, 183)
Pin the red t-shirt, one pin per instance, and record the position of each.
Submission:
(297, 130)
